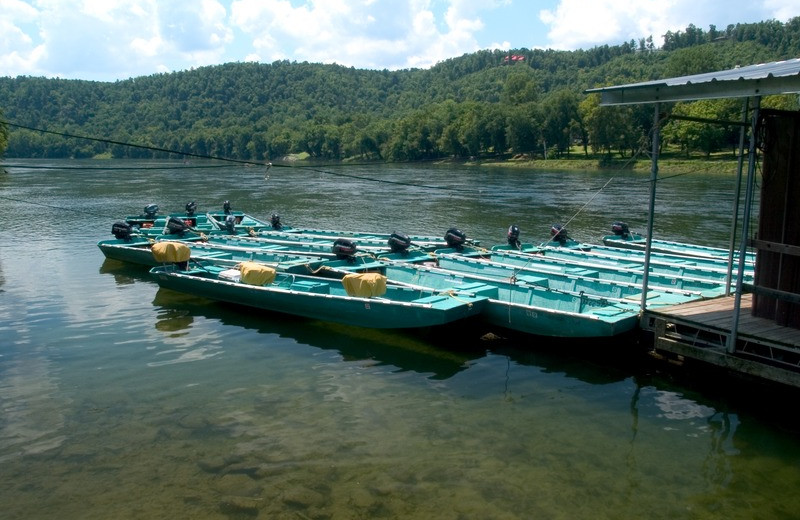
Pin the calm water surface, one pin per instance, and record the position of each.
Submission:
(120, 400)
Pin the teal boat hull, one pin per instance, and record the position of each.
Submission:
(665, 265)
(326, 299)
(529, 308)
(546, 265)
(638, 243)
(577, 281)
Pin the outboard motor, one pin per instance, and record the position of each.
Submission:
(620, 229)
(513, 236)
(275, 220)
(150, 211)
(344, 249)
(176, 226)
(399, 242)
(121, 230)
(191, 207)
(455, 239)
(230, 224)
(226, 207)
(559, 234)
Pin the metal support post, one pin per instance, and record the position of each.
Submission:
(653, 178)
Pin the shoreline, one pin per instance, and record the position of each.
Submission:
(665, 165)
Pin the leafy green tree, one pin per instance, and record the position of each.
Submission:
(524, 128)
(692, 60)
(561, 116)
(3, 135)
(703, 136)
(609, 128)
(471, 105)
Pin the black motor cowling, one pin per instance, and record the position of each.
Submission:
(176, 226)
(275, 220)
(191, 207)
(150, 210)
(513, 236)
(455, 238)
(620, 229)
(226, 207)
(558, 233)
(121, 230)
(399, 242)
(230, 224)
(344, 249)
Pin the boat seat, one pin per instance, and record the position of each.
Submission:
(310, 286)
(431, 299)
(479, 289)
(586, 273)
(541, 281)
(365, 266)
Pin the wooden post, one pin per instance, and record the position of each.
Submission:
(778, 266)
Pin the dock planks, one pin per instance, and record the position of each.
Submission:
(701, 330)
(717, 314)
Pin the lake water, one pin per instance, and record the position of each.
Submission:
(120, 400)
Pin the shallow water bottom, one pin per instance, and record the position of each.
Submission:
(120, 400)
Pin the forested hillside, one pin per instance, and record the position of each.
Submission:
(489, 102)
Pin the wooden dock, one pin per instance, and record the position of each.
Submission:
(701, 330)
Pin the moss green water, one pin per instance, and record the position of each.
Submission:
(120, 400)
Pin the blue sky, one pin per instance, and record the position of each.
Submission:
(109, 40)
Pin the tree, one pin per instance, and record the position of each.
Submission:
(3, 136)
(524, 128)
(560, 117)
(703, 136)
(609, 128)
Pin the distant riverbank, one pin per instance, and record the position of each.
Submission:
(666, 164)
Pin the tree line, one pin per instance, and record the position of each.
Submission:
(475, 105)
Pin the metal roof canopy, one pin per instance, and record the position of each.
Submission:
(754, 81)
(779, 77)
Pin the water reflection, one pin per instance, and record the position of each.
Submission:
(124, 273)
(112, 389)
(173, 322)
(32, 404)
(416, 351)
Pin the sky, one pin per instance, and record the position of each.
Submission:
(109, 40)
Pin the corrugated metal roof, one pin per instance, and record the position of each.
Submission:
(779, 77)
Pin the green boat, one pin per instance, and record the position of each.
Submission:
(231, 251)
(150, 223)
(609, 271)
(575, 280)
(363, 300)
(529, 308)
(399, 241)
(236, 222)
(559, 237)
(660, 263)
(623, 238)
(668, 265)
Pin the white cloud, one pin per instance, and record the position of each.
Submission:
(360, 33)
(110, 39)
(577, 24)
(18, 49)
(117, 39)
(783, 10)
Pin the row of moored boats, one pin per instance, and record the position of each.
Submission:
(560, 288)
